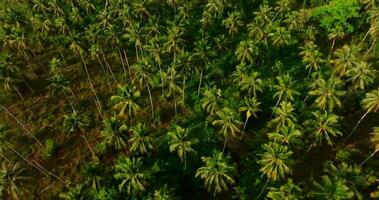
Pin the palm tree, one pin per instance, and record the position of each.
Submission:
(12, 179)
(163, 193)
(374, 140)
(284, 115)
(331, 189)
(285, 89)
(232, 22)
(179, 142)
(140, 140)
(211, 100)
(229, 122)
(59, 83)
(361, 75)
(129, 172)
(280, 37)
(323, 126)
(312, 57)
(334, 34)
(247, 50)
(126, 100)
(74, 123)
(114, 133)
(327, 92)
(250, 107)
(264, 15)
(74, 193)
(217, 172)
(251, 82)
(174, 40)
(346, 58)
(371, 104)
(143, 77)
(288, 191)
(288, 135)
(172, 87)
(134, 35)
(275, 160)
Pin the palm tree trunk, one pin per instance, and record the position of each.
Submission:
(98, 105)
(201, 78)
(244, 126)
(122, 61)
(63, 58)
(331, 49)
(263, 189)
(160, 73)
(371, 47)
(151, 100)
(104, 71)
(22, 126)
(369, 157)
(356, 125)
(107, 64)
(223, 148)
(68, 99)
(184, 87)
(26, 104)
(89, 146)
(127, 63)
(176, 109)
(136, 49)
(37, 166)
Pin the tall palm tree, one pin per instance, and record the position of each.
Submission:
(180, 143)
(312, 57)
(323, 126)
(129, 172)
(275, 160)
(144, 78)
(251, 83)
(114, 133)
(163, 193)
(59, 83)
(233, 22)
(211, 100)
(172, 86)
(327, 92)
(333, 35)
(288, 135)
(288, 191)
(361, 75)
(174, 41)
(13, 177)
(140, 140)
(247, 50)
(217, 172)
(285, 89)
(284, 115)
(125, 100)
(229, 122)
(345, 59)
(374, 140)
(250, 107)
(331, 189)
(280, 37)
(370, 104)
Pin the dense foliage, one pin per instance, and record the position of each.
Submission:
(189, 99)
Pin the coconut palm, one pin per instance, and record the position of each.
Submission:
(180, 143)
(275, 160)
(114, 133)
(144, 78)
(233, 22)
(59, 83)
(327, 93)
(374, 140)
(211, 100)
(280, 37)
(217, 172)
(13, 177)
(163, 193)
(251, 83)
(171, 85)
(345, 59)
(361, 75)
(247, 50)
(250, 107)
(285, 89)
(323, 126)
(312, 57)
(288, 191)
(288, 135)
(331, 188)
(140, 141)
(125, 100)
(228, 120)
(333, 35)
(129, 172)
(284, 115)
(174, 41)
(370, 104)
(73, 193)
(264, 14)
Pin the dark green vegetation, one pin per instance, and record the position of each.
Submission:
(189, 99)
